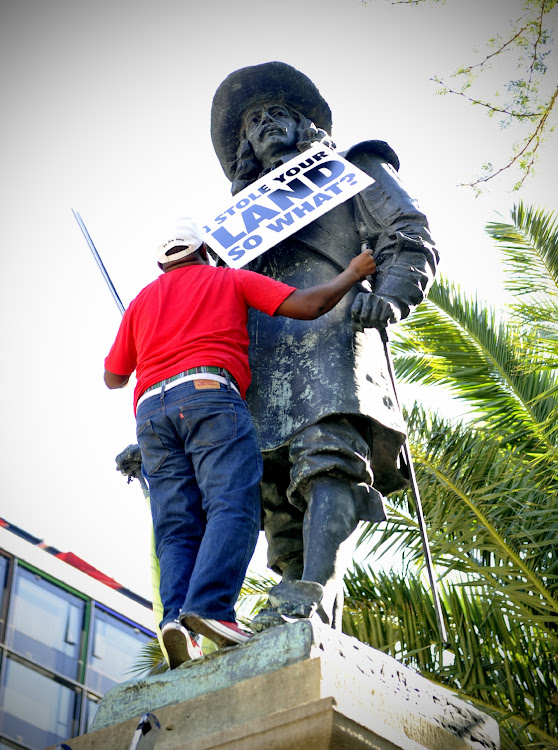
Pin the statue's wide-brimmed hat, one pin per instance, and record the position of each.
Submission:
(274, 81)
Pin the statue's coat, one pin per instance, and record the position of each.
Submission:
(303, 371)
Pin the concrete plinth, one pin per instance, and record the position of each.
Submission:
(301, 685)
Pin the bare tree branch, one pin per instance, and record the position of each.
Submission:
(491, 107)
(537, 40)
(535, 137)
(528, 39)
(497, 52)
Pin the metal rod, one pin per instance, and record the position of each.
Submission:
(146, 734)
(366, 244)
(99, 261)
(414, 486)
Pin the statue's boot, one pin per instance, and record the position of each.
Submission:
(331, 517)
(287, 601)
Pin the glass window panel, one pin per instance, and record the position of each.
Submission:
(36, 711)
(115, 646)
(4, 565)
(91, 706)
(46, 623)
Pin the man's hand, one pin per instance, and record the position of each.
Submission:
(369, 310)
(309, 304)
(364, 264)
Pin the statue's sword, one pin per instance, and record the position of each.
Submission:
(418, 504)
(99, 261)
(405, 449)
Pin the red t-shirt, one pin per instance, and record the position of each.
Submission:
(192, 316)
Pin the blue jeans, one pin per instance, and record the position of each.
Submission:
(202, 462)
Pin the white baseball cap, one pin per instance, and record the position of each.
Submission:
(185, 232)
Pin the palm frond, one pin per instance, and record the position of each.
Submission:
(530, 246)
(488, 515)
(460, 343)
(150, 660)
(253, 594)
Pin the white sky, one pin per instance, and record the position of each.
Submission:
(105, 108)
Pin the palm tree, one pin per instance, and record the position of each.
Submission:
(489, 488)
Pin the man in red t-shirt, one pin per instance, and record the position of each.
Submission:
(185, 336)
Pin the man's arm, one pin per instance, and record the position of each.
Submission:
(308, 304)
(115, 381)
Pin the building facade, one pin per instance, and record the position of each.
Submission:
(66, 637)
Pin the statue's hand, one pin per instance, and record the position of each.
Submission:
(129, 461)
(369, 310)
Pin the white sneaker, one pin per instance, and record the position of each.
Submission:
(220, 632)
(180, 644)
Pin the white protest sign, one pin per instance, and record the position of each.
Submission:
(282, 202)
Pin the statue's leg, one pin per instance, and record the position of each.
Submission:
(331, 475)
(282, 522)
(331, 517)
(329, 491)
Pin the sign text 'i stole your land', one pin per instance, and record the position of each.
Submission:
(282, 202)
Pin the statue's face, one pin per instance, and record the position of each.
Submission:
(271, 131)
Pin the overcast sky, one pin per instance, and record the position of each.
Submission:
(106, 109)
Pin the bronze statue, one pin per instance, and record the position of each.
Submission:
(324, 407)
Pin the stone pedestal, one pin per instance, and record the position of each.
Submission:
(301, 685)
